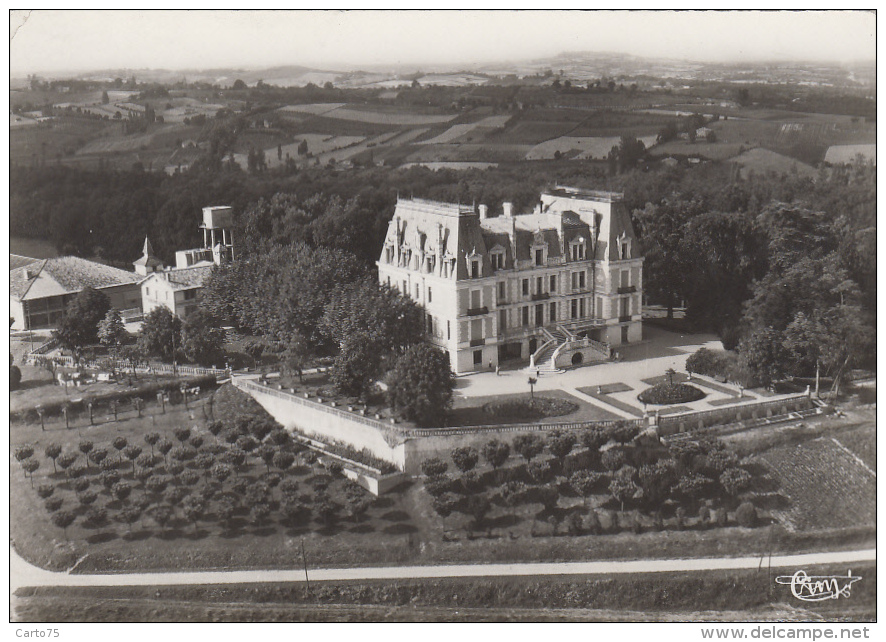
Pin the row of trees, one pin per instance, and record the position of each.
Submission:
(693, 476)
(89, 320)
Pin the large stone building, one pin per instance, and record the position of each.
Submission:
(555, 287)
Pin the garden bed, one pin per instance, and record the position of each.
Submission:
(529, 409)
(665, 394)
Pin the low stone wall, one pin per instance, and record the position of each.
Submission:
(688, 422)
(376, 485)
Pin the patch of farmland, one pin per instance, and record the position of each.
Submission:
(313, 108)
(465, 153)
(318, 144)
(714, 151)
(452, 165)
(763, 161)
(847, 153)
(21, 121)
(299, 124)
(453, 80)
(585, 147)
(162, 136)
(458, 131)
(388, 118)
(531, 132)
(826, 486)
(863, 443)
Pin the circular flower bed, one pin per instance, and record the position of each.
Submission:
(670, 393)
(528, 409)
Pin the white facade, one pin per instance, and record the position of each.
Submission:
(563, 280)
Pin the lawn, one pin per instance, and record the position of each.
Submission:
(468, 411)
(605, 397)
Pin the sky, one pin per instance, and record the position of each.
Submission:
(58, 40)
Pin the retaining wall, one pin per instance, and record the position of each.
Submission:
(407, 447)
(673, 424)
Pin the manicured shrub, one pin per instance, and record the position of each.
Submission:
(434, 467)
(746, 515)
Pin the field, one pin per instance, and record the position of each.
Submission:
(826, 486)
(763, 161)
(579, 147)
(863, 444)
(848, 153)
(654, 597)
(376, 117)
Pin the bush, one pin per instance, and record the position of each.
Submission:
(746, 515)
(670, 393)
(706, 362)
(15, 377)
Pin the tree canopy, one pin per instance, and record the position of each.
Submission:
(420, 385)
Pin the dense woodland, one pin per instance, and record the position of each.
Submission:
(782, 267)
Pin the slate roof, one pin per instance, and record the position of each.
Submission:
(64, 275)
(184, 278)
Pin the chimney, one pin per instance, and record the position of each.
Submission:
(508, 209)
(484, 212)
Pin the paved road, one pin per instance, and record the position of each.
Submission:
(24, 574)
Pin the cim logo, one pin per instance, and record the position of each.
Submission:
(816, 588)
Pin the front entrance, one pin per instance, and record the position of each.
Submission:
(533, 345)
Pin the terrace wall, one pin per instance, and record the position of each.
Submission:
(670, 425)
(407, 447)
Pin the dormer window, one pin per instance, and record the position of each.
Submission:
(389, 254)
(624, 247)
(498, 260)
(578, 249)
(474, 260)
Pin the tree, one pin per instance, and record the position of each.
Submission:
(434, 467)
(283, 460)
(161, 334)
(622, 485)
(63, 519)
(111, 331)
(390, 321)
(297, 354)
(656, 481)
(420, 385)
(465, 459)
(356, 367)
(746, 515)
(193, 508)
(477, 506)
(496, 452)
(105, 98)
(528, 446)
(763, 353)
(52, 451)
(30, 466)
(201, 341)
(79, 325)
(583, 482)
(15, 377)
(560, 444)
(238, 85)
(303, 148)
(735, 480)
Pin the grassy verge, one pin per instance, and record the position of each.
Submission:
(732, 595)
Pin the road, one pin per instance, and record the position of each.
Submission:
(24, 574)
